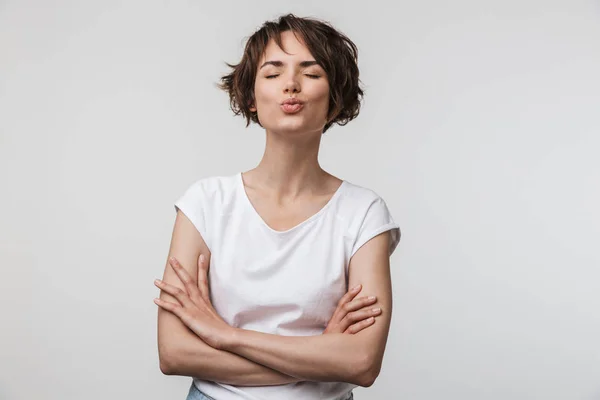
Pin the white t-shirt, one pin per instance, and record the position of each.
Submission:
(281, 282)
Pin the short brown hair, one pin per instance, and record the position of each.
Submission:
(332, 50)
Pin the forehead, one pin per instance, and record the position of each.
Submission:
(293, 45)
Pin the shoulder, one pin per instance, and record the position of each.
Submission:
(357, 200)
(359, 193)
(205, 199)
(215, 183)
(216, 188)
(367, 215)
(208, 196)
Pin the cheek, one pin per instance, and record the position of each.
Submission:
(323, 97)
(322, 92)
(265, 94)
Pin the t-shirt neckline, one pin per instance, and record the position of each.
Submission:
(244, 195)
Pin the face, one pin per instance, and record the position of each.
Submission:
(296, 75)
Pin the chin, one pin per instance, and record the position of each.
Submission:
(296, 129)
(289, 125)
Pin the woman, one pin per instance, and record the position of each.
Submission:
(285, 240)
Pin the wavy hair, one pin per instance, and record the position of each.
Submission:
(332, 50)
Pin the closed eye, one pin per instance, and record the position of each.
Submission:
(309, 75)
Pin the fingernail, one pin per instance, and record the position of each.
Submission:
(371, 297)
(356, 287)
(202, 258)
(376, 309)
(157, 281)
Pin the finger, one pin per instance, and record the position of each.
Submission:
(175, 309)
(188, 282)
(171, 307)
(349, 295)
(359, 326)
(356, 316)
(346, 309)
(359, 303)
(362, 314)
(180, 294)
(339, 312)
(203, 278)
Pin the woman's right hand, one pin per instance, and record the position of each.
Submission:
(352, 316)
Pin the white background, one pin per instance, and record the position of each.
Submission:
(479, 129)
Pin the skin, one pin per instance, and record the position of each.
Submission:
(286, 187)
(289, 171)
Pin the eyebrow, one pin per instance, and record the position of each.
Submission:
(278, 63)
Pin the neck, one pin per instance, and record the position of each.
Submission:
(289, 168)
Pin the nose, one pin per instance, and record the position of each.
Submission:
(291, 85)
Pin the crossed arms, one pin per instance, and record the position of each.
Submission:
(253, 358)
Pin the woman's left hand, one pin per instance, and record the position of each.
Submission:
(195, 309)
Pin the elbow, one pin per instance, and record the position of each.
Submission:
(165, 359)
(165, 368)
(367, 370)
(368, 379)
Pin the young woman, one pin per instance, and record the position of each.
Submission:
(285, 240)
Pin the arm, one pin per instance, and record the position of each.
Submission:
(195, 358)
(355, 358)
(181, 352)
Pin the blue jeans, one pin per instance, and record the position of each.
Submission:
(195, 394)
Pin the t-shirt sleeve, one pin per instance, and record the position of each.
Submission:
(377, 219)
(192, 203)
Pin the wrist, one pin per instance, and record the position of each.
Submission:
(230, 339)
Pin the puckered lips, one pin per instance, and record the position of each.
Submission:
(292, 105)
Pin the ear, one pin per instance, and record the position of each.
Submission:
(252, 108)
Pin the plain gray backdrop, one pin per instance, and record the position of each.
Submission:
(479, 128)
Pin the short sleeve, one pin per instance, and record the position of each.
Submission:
(192, 203)
(377, 219)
